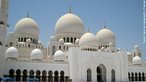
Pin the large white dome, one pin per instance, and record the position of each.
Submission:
(69, 23)
(88, 39)
(11, 52)
(36, 54)
(105, 36)
(27, 25)
(137, 60)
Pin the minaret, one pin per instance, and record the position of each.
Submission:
(3, 32)
(3, 20)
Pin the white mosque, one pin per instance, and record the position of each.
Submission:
(72, 55)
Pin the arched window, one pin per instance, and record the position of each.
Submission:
(18, 75)
(1, 43)
(113, 75)
(50, 76)
(60, 47)
(67, 39)
(89, 75)
(64, 39)
(21, 39)
(24, 77)
(44, 75)
(11, 44)
(129, 77)
(71, 39)
(11, 73)
(38, 74)
(25, 39)
(56, 76)
(74, 39)
(53, 50)
(29, 46)
(62, 76)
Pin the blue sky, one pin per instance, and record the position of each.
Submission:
(123, 17)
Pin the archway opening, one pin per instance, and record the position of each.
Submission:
(38, 74)
(18, 75)
(56, 76)
(24, 77)
(101, 73)
(44, 75)
(31, 74)
(11, 73)
(62, 76)
(50, 76)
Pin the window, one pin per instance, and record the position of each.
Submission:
(1, 43)
(113, 75)
(60, 47)
(67, 39)
(21, 39)
(11, 44)
(89, 75)
(53, 50)
(71, 40)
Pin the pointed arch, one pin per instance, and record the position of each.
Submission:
(24, 77)
(101, 73)
(1, 43)
(56, 76)
(113, 78)
(89, 75)
(18, 75)
(62, 76)
(50, 76)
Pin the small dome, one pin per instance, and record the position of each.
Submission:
(105, 36)
(39, 42)
(11, 52)
(111, 44)
(69, 23)
(28, 40)
(59, 55)
(137, 60)
(61, 41)
(88, 39)
(36, 54)
(135, 46)
(77, 41)
(28, 26)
